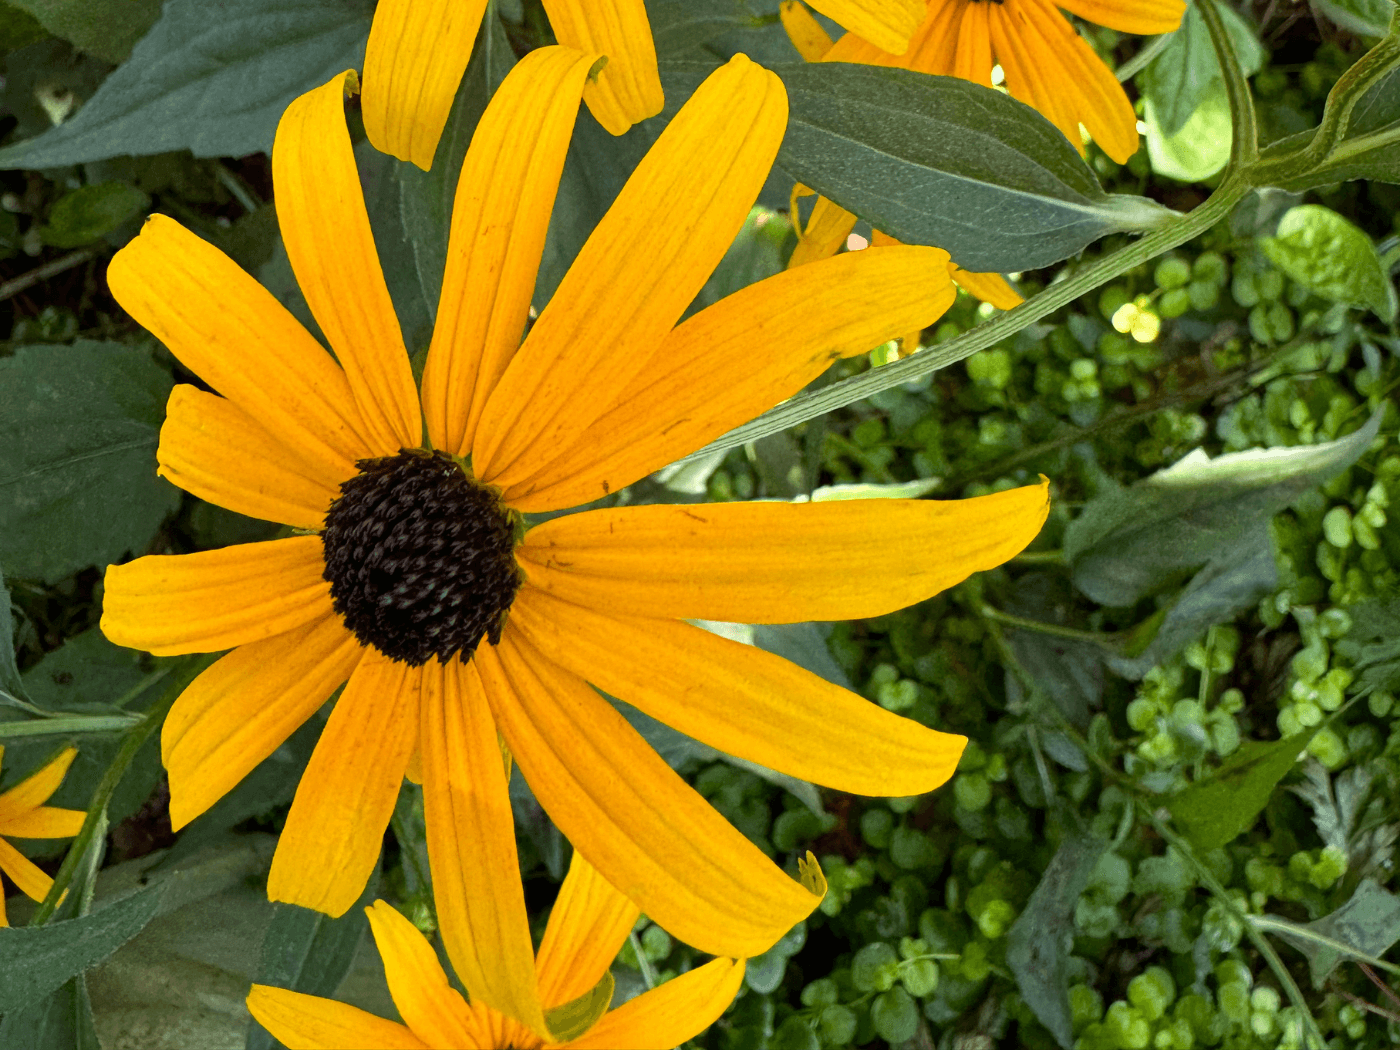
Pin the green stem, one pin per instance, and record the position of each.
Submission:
(59, 725)
(1313, 1038)
(816, 403)
(643, 963)
(1105, 641)
(96, 821)
(1244, 129)
(1145, 54)
(1052, 557)
(1264, 922)
(1349, 89)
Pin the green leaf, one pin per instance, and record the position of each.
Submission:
(572, 1019)
(1372, 646)
(1362, 17)
(309, 952)
(895, 1016)
(10, 680)
(1038, 943)
(870, 490)
(105, 28)
(1187, 71)
(425, 197)
(1368, 924)
(1128, 542)
(1323, 251)
(92, 212)
(943, 161)
(18, 27)
(36, 960)
(78, 432)
(1220, 806)
(61, 1021)
(211, 77)
(680, 26)
(1200, 148)
(379, 180)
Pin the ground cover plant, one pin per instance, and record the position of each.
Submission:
(893, 303)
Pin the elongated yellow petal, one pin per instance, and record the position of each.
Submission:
(432, 1008)
(777, 562)
(308, 1022)
(212, 448)
(471, 845)
(989, 287)
(248, 348)
(336, 824)
(25, 874)
(824, 235)
(888, 24)
(805, 32)
(972, 59)
(169, 604)
(586, 930)
(1129, 16)
(239, 711)
(44, 822)
(933, 48)
(321, 212)
(417, 52)
(499, 219)
(742, 700)
(638, 271)
(35, 789)
(629, 87)
(680, 1009)
(738, 358)
(645, 830)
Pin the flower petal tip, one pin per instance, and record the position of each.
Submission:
(809, 873)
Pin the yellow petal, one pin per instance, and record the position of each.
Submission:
(346, 796)
(308, 1022)
(471, 845)
(972, 60)
(805, 32)
(586, 930)
(324, 224)
(169, 604)
(708, 377)
(25, 874)
(44, 822)
(824, 235)
(36, 788)
(432, 1008)
(680, 1009)
(1129, 16)
(933, 48)
(989, 287)
(499, 219)
(888, 24)
(629, 87)
(239, 711)
(742, 700)
(213, 449)
(777, 562)
(417, 52)
(639, 270)
(635, 820)
(232, 333)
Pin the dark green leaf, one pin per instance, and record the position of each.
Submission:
(9, 670)
(1038, 944)
(91, 212)
(1186, 72)
(943, 161)
(18, 27)
(1220, 806)
(61, 1021)
(1379, 106)
(1323, 251)
(1372, 646)
(1128, 542)
(1363, 17)
(78, 431)
(1070, 673)
(210, 77)
(425, 197)
(572, 1019)
(379, 178)
(1368, 923)
(895, 1016)
(36, 960)
(680, 26)
(105, 28)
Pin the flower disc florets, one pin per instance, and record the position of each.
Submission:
(420, 557)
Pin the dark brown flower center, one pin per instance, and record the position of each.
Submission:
(420, 557)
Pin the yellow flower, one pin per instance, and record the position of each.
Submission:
(23, 815)
(413, 555)
(418, 50)
(588, 925)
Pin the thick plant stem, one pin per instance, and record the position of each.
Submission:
(1244, 129)
(808, 406)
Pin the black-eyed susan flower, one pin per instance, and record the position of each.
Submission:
(23, 815)
(414, 581)
(418, 50)
(588, 925)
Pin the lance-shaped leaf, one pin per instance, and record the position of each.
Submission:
(941, 161)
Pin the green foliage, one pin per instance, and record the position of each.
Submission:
(105, 28)
(1321, 250)
(91, 212)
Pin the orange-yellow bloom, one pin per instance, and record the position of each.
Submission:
(457, 634)
(588, 925)
(23, 815)
(418, 50)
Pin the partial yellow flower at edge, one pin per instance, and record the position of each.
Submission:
(588, 925)
(23, 815)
